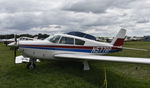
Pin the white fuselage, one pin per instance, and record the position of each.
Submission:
(46, 49)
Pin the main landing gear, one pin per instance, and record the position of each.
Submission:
(86, 65)
(31, 65)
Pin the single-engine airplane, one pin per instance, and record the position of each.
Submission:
(73, 46)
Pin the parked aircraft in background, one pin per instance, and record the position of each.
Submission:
(7, 41)
(21, 39)
(10, 42)
(2, 40)
(73, 46)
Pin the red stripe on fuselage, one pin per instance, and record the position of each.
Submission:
(74, 47)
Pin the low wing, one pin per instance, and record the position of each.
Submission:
(105, 58)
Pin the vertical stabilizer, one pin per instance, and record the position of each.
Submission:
(119, 39)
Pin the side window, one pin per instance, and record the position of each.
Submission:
(66, 40)
(55, 39)
(79, 42)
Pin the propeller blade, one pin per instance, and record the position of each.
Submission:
(15, 48)
(15, 53)
(15, 38)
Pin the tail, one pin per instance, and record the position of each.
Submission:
(119, 39)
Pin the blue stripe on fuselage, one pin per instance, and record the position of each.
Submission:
(68, 49)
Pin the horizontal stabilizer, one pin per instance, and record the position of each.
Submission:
(135, 49)
(131, 48)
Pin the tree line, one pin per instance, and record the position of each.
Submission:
(9, 36)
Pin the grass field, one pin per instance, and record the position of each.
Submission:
(54, 74)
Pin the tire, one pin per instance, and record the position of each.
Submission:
(31, 66)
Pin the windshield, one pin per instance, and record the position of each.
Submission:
(53, 39)
(66, 40)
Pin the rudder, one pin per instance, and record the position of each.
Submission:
(119, 39)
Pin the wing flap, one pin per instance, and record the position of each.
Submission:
(21, 59)
(105, 58)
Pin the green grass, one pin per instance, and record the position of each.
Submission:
(60, 74)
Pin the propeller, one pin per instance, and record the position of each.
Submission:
(15, 48)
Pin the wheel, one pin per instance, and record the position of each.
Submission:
(31, 66)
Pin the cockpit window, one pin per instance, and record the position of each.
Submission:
(79, 42)
(66, 40)
(54, 39)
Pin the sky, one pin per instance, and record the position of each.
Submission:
(96, 17)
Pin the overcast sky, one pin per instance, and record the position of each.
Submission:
(97, 17)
